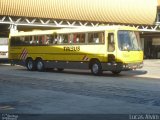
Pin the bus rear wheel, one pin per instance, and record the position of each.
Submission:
(40, 65)
(30, 64)
(96, 68)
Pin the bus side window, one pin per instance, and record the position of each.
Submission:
(66, 40)
(60, 39)
(75, 38)
(70, 38)
(96, 38)
(111, 44)
(33, 40)
(79, 38)
(47, 39)
(39, 40)
(82, 38)
(43, 39)
(90, 38)
(27, 40)
(101, 37)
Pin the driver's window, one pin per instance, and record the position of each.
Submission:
(111, 44)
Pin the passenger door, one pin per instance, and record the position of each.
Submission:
(111, 47)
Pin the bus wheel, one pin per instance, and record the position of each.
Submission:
(40, 65)
(60, 69)
(30, 64)
(116, 72)
(96, 68)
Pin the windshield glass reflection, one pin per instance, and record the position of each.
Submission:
(128, 40)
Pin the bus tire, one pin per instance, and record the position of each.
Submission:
(96, 68)
(30, 64)
(116, 72)
(40, 65)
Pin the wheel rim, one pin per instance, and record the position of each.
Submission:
(95, 68)
(30, 65)
(39, 65)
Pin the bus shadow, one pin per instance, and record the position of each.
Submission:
(71, 71)
(134, 73)
(104, 74)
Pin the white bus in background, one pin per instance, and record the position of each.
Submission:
(3, 49)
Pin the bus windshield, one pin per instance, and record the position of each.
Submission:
(128, 40)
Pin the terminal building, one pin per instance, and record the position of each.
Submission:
(24, 15)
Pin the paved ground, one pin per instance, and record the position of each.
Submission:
(79, 92)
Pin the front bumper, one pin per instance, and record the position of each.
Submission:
(121, 66)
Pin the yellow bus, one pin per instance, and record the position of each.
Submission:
(105, 48)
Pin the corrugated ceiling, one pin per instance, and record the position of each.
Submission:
(117, 11)
(158, 4)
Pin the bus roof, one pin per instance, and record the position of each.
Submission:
(73, 30)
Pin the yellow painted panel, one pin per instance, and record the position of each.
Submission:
(58, 52)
